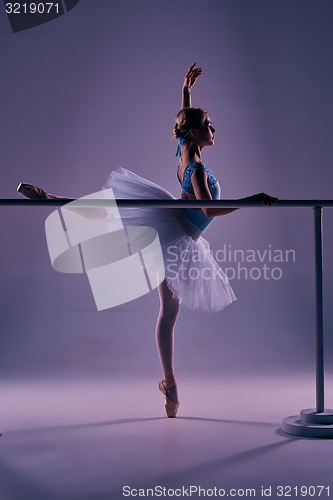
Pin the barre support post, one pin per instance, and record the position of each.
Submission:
(316, 422)
(318, 220)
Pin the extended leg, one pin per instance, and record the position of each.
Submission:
(37, 193)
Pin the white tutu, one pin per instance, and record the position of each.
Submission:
(191, 272)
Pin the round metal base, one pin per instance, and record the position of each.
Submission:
(310, 423)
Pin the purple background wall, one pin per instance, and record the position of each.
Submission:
(99, 87)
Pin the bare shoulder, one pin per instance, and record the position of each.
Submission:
(199, 173)
(200, 184)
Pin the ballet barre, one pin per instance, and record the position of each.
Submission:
(312, 422)
(176, 203)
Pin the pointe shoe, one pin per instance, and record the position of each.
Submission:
(171, 408)
(34, 192)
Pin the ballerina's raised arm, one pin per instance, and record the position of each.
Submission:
(189, 80)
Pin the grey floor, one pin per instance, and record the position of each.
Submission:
(88, 439)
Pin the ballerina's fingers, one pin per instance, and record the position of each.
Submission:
(197, 72)
(192, 74)
(191, 68)
(193, 79)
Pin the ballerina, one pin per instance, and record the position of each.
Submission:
(192, 276)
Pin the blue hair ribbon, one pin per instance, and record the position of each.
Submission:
(180, 143)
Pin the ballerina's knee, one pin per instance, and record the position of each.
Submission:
(169, 314)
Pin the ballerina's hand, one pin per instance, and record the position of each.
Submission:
(264, 198)
(191, 76)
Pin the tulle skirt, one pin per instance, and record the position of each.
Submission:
(191, 272)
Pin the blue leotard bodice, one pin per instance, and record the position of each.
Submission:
(197, 217)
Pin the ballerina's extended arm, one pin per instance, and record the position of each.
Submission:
(201, 190)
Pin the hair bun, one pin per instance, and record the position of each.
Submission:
(188, 118)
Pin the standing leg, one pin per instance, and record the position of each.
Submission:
(168, 314)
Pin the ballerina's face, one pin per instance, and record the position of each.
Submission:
(206, 134)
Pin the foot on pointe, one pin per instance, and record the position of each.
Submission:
(34, 192)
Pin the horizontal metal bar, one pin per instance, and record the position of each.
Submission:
(177, 203)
